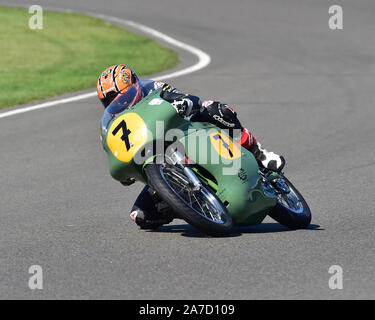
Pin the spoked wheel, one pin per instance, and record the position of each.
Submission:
(291, 209)
(200, 207)
(201, 201)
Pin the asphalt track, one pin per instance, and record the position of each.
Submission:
(306, 91)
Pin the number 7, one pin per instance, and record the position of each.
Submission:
(125, 135)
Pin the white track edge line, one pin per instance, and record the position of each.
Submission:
(203, 60)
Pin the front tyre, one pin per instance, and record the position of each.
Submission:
(200, 208)
(291, 209)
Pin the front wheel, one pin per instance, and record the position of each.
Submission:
(291, 209)
(200, 208)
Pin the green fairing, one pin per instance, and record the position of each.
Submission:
(121, 171)
(240, 188)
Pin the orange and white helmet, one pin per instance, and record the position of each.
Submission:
(115, 80)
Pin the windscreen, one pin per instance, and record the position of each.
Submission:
(122, 102)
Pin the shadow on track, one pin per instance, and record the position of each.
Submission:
(187, 230)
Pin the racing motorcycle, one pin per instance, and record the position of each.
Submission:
(196, 168)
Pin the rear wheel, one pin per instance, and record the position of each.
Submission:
(291, 209)
(201, 208)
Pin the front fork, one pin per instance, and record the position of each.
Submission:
(274, 180)
(179, 160)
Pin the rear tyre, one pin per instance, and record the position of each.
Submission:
(200, 208)
(291, 209)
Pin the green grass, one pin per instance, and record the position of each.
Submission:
(68, 54)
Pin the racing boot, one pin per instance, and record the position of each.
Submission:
(150, 212)
(268, 160)
(146, 220)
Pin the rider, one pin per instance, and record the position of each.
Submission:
(149, 211)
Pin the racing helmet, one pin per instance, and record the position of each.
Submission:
(115, 80)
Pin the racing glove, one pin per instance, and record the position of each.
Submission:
(183, 106)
